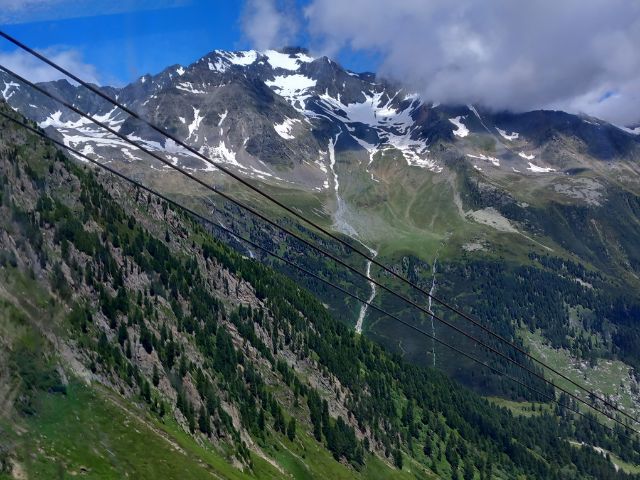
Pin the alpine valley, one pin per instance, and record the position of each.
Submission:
(139, 340)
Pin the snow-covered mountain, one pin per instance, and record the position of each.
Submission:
(277, 116)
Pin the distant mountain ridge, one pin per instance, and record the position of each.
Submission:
(273, 115)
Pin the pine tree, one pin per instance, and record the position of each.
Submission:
(279, 423)
(291, 429)
(156, 376)
(183, 366)
(397, 458)
(469, 471)
(452, 454)
(123, 335)
(203, 421)
(428, 447)
(145, 390)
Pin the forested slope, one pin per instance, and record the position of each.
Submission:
(125, 322)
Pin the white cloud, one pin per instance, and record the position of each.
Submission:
(265, 24)
(499, 53)
(37, 71)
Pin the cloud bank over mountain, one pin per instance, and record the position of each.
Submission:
(37, 71)
(270, 23)
(571, 55)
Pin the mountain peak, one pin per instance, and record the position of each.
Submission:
(292, 50)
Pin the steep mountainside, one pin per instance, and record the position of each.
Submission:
(135, 343)
(528, 220)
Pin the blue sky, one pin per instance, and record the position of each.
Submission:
(122, 46)
(580, 57)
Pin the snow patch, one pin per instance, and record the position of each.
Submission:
(171, 146)
(227, 154)
(55, 120)
(188, 87)
(394, 127)
(461, 130)
(108, 117)
(7, 86)
(632, 131)
(94, 138)
(239, 58)
(293, 88)
(537, 169)
(83, 126)
(508, 136)
(495, 161)
(526, 157)
(371, 112)
(286, 61)
(127, 153)
(180, 71)
(195, 125)
(284, 129)
(222, 153)
(222, 117)
(220, 65)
